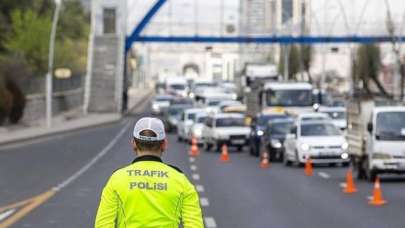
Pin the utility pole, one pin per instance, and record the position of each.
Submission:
(49, 74)
(397, 63)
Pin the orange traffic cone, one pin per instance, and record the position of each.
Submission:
(224, 154)
(377, 199)
(350, 187)
(308, 167)
(264, 164)
(194, 151)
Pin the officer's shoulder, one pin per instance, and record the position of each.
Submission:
(119, 169)
(175, 168)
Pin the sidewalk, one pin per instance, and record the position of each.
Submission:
(69, 121)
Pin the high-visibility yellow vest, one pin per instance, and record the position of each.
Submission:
(149, 193)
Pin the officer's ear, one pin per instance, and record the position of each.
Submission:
(164, 145)
(133, 144)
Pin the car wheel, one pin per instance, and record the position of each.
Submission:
(217, 147)
(207, 146)
(286, 161)
(372, 175)
(297, 160)
(239, 148)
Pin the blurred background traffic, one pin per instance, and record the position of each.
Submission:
(274, 86)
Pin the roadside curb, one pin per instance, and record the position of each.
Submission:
(73, 125)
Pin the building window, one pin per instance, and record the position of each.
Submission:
(287, 10)
(109, 20)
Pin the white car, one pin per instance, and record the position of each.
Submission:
(225, 128)
(161, 103)
(197, 127)
(321, 141)
(185, 122)
(211, 105)
(337, 114)
(311, 116)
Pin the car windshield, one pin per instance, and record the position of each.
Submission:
(213, 103)
(319, 129)
(338, 115)
(191, 116)
(230, 122)
(181, 101)
(289, 97)
(309, 118)
(390, 126)
(204, 84)
(174, 111)
(264, 119)
(201, 119)
(163, 99)
(178, 86)
(279, 127)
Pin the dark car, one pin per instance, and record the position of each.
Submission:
(258, 127)
(274, 137)
(173, 114)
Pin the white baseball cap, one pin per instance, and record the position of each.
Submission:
(152, 124)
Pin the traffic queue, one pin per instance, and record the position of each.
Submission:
(286, 125)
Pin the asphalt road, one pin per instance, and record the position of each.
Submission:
(235, 194)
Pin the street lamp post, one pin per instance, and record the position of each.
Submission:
(49, 74)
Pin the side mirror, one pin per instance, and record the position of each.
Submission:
(370, 127)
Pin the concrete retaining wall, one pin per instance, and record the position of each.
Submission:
(62, 102)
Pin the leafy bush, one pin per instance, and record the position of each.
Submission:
(18, 101)
(6, 101)
(13, 72)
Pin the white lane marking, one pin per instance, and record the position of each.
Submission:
(199, 188)
(192, 159)
(210, 222)
(193, 167)
(343, 185)
(204, 202)
(324, 175)
(196, 176)
(7, 213)
(94, 160)
(370, 197)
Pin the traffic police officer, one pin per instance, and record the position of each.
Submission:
(149, 193)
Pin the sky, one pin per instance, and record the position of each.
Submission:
(179, 17)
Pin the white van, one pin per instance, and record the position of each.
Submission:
(177, 86)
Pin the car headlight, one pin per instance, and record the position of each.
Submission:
(260, 133)
(380, 155)
(345, 146)
(192, 95)
(155, 106)
(197, 131)
(305, 147)
(275, 143)
(344, 155)
(234, 96)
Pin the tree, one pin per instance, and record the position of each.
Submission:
(306, 58)
(30, 39)
(293, 62)
(367, 67)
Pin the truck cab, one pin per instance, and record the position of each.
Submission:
(294, 97)
(376, 136)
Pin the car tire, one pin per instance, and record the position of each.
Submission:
(217, 147)
(286, 161)
(207, 146)
(240, 148)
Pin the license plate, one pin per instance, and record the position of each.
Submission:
(239, 141)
